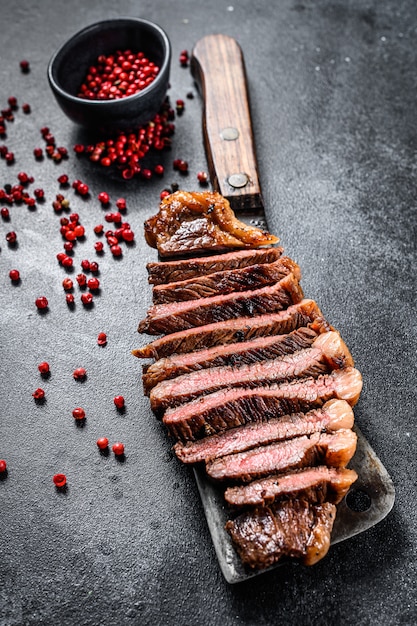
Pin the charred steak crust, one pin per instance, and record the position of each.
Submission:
(234, 354)
(176, 316)
(164, 272)
(228, 281)
(332, 416)
(232, 331)
(222, 410)
(327, 352)
(293, 528)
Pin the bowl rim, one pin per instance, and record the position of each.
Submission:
(91, 27)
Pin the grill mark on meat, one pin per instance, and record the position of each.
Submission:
(334, 415)
(327, 352)
(176, 316)
(293, 528)
(231, 331)
(228, 281)
(226, 409)
(315, 484)
(333, 449)
(259, 349)
(172, 271)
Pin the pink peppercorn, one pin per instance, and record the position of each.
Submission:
(119, 402)
(44, 368)
(38, 394)
(87, 298)
(80, 373)
(41, 302)
(14, 275)
(102, 339)
(59, 480)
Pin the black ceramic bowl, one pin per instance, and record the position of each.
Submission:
(68, 68)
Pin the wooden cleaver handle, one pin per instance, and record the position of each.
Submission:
(218, 67)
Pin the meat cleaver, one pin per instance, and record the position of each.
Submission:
(218, 68)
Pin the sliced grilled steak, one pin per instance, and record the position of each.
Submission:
(316, 484)
(176, 316)
(236, 354)
(173, 271)
(327, 352)
(226, 409)
(292, 528)
(228, 281)
(231, 331)
(333, 449)
(333, 415)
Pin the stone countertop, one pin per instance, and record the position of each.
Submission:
(333, 92)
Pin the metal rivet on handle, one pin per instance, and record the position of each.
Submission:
(238, 180)
(229, 133)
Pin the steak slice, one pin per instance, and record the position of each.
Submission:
(333, 415)
(226, 409)
(333, 449)
(292, 528)
(231, 331)
(327, 352)
(176, 316)
(165, 272)
(237, 354)
(228, 281)
(193, 222)
(315, 484)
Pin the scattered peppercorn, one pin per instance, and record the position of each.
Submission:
(102, 443)
(78, 413)
(11, 237)
(70, 299)
(102, 339)
(14, 275)
(93, 283)
(184, 58)
(63, 179)
(104, 197)
(87, 298)
(67, 284)
(202, 178)
(67, 262)
(116, 250)
(121, 204)
(39, 394)
(44, 368)
(3, 466)
(41, 302)
(81, 280)
(118, 448)
(80, 373)
(119, 401)
(24, 66)
(59, 480)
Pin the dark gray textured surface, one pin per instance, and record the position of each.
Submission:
(333, 91)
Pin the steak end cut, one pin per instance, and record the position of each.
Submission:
(292, 528)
